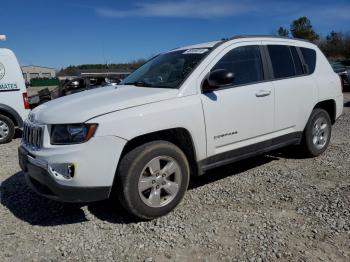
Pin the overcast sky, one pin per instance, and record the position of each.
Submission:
(58, 33)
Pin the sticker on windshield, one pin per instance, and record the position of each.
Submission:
(196, 51)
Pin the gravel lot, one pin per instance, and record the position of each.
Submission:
(273, 207)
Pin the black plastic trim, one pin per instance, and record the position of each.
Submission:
(301, 57)
(10, 90)
(249, 151)
(268, 63)
(12, 112)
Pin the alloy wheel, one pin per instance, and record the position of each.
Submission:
(159, 181)
(320, 133)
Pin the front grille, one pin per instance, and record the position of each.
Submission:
(33, 135)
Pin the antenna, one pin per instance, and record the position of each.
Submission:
(2, 38)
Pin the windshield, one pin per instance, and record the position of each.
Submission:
(167, 70)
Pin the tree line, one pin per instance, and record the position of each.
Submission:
(335, 45)
(123, 67)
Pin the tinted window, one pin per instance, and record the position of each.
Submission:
(297, 63)
(310, 58)
(282, 61)
(245, 63)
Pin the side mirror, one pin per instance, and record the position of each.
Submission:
(220, 78)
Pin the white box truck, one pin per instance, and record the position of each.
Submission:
(14, 106)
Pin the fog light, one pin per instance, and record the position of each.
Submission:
(63, 171)
(71, 170)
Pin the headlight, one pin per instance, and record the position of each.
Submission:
(72, 133)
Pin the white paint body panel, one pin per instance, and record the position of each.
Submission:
(179, 112)
(237, 110)
(99, 101)
(95, 161)
(126, 112)
(13, 75)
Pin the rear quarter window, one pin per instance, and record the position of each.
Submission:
(282, 61)
(309, 58)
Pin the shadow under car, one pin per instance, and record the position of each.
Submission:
(37, 210)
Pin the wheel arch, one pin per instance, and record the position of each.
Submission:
(12, 114)
(180, 136)
(329, 106)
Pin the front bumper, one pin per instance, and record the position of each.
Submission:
(41, 181)
(94, 167)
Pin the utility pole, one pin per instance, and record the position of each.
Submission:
(2, 38)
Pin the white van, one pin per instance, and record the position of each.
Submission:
(14, 106)
(182, 113)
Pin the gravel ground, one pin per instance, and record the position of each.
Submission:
(272, 207)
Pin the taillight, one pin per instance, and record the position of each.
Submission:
(25, 101)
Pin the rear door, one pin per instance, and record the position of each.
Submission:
(295, 89)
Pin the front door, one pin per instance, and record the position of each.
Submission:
(242, 113)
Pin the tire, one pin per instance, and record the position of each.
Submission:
(147, 189)
(317, 133)
(7, 129)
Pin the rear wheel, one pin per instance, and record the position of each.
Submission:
(7, 129)
(317, 133)
(152, 179)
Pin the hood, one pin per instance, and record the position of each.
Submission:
(80, 107)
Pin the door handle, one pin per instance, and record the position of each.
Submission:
(263, 93)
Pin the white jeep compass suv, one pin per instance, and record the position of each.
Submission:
(181, 113)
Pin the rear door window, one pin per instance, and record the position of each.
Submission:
(309, 58)
(282, 61)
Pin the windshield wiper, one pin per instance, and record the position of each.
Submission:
(139, 83)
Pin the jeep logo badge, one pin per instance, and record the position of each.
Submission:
(2, 71)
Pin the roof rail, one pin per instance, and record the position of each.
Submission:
(266, 36)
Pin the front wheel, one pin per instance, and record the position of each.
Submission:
(152, 179)
(317, 133)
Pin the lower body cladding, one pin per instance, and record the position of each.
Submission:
(73, 173)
